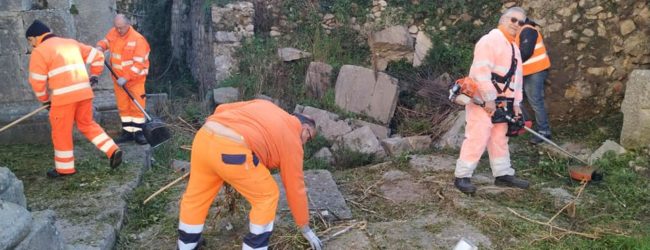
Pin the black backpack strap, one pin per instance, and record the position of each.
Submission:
(508, 77)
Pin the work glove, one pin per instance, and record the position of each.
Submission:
(93, 81)
(121, 81)
(48, 104)
(314, 241)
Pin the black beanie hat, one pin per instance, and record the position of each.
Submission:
(36, 29)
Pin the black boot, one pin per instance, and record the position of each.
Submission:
(510, 181)
(124, 137)
(139, 138)
(116, 158)
(465, 185)
(52, 173)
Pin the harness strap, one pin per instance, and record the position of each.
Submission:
(508, 77)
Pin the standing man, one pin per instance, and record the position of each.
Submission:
(238, 144)
(58, 66)
(535, 67)
(130, 61)
(496, 69)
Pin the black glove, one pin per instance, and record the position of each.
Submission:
(93, 81)
(48, 104)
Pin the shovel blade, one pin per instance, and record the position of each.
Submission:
(156, 133)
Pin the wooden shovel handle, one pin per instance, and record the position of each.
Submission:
(23, 118)
(166, 187)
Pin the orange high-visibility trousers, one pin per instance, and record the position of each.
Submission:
(216, 159)
(132, 118)
(62, 118)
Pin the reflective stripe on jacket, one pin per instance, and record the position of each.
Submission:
(539, 60)
(59, 64)
(129, 53)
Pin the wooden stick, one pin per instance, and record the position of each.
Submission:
(166, 187)
(23, 118)
(569, 204)
(590, 236)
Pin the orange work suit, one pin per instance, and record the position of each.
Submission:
(237, 145)
(493, 53)
(129, 59)
(58, 65)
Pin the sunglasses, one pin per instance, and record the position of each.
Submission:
(517, 21)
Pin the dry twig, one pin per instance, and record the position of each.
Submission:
(586, 235)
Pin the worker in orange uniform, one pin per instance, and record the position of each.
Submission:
(238, 144)
(130, 61)
(535, 68)
(58, 66)
(496, 69)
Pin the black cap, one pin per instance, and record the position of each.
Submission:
(36, 29)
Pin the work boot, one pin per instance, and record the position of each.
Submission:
(510, 181)
(465, 185)
(536, 140)
(116, 158)
(139, 138)
(124, 137)
(52, 173)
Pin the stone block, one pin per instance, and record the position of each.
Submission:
(318, 79)
(327, 123)
(382, 132)
(325, 154)
(422, 46)
(60, 22)
(15, 222)
(606, 147)
(59, 4)
(180, 166)
(225, 95)
(15, 5)
(455, 135)
(636, 110)
(358, 91)
(391, 44)
(14, 84)
(432, 163)
(362, 140)
(11, 188)
(94, 19)
(396, 146)
(354, 239)
(12, 34)
(419, 143)
(43, 234)
(324, 195)
(292, 54)
(400, 187)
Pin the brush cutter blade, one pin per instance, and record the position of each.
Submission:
(585, 173)
(156, 132)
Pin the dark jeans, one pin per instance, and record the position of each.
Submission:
(534, 91)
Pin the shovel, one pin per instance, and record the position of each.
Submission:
(155, 131)
(23, 118)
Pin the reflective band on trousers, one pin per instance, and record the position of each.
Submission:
(71, 88)
(107, 145)
(64, 165)
(131, 129)
(99, 139)
(63, 153)
(66, 68)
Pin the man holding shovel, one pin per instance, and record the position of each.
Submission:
(130, 61)
(57, 74)
(238, 144)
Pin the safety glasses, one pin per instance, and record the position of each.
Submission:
(517, 21)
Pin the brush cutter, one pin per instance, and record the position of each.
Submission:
(582, 173)
(155, 131)
(24, 117)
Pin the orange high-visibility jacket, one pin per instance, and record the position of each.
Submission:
(274, 136)
(129, 53)
(539, 61)
(60, 65)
